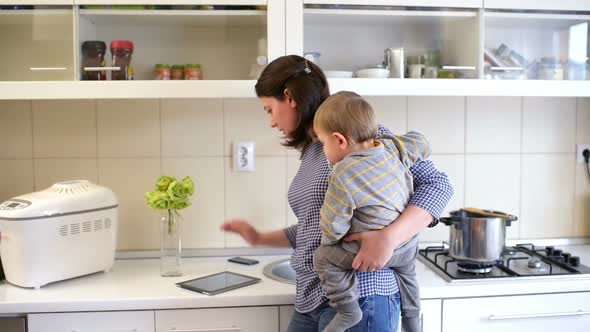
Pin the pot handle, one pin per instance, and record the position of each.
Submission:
(449, 221)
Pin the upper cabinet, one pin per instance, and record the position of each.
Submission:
(387, 41)
(536, 45)
(37, 41)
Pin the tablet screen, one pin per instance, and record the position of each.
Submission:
(219, 282)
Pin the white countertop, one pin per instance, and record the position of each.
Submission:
(135, 284)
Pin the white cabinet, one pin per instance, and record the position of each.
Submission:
(242, 319)
(285, 314)
(531, 313)
(121, 321)
(431, 315)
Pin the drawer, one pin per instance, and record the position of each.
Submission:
(549, 312)
(242, 319)
(120, 321)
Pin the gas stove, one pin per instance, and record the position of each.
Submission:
(522, 261)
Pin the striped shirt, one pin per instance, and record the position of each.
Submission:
(432, 192)
(369, 189)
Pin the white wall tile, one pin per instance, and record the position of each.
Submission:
(266, 210)
(16, 129)
(392, 112)
(454, 167)
(50, 171)
(128, 128)
(493, 124)
(292, 168)
(493, 182)
(16, 178)
(441, 119)
(549, 125)
(583, 121)
(245, 120)
(201, 220)
(547, 196)
(64, 129)
(130, 179)
(582, 202)
(192, 127)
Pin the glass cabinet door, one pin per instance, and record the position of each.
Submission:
(536, 45)
(392, 41)
(162, 42)
(37, 42)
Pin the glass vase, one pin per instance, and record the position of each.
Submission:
(170, 244)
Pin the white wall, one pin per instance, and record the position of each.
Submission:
(507, 153)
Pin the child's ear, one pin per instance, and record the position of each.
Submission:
(341, 139)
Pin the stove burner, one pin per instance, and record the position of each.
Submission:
(535, 264)
(474, 268)
(509, 252)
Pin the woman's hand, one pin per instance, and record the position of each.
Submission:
(376, 249)
(244, 229)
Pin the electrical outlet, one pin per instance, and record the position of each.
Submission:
(243, 157)
(581, 148)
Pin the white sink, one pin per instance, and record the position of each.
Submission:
(280, 271)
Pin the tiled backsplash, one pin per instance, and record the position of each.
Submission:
(507, 153)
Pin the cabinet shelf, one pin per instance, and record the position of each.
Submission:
(38, 16)
(530, 21)
(245, 88)
(367, 16)
(196, 18)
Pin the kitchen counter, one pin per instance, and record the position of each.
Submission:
(135, 284)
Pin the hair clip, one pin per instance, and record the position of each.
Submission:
(307, 70)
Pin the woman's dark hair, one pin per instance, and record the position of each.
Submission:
(308, 86)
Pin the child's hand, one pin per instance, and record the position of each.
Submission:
(244, 229)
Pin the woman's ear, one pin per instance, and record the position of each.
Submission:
(341, 139)
(289, 98)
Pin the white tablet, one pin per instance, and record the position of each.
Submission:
(218, 282)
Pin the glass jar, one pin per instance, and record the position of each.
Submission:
(162, 72)
(192, 72)
(550, 69)
(122, 51)
(93, 58)
(177, 72)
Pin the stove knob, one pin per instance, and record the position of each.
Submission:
(549, 250)
(566, 256)
(557, 252)
(574, 261)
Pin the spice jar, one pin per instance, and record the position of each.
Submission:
(93, 53)
(162, 72)
(121, 51)
(177, 72)
(192, 72)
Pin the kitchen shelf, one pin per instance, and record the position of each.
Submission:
(196, 18)
(378, 17)
(38, 16)
(245, 88)
(530, 21)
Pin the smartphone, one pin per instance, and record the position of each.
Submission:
(242, 260)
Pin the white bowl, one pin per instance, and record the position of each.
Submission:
(338, 74)
(372, 73)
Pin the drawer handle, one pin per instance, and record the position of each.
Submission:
(102, 68)
(214, 329)
(507, 68)
(554, 314)
(132, 330)
(47, 68)
(458, 67)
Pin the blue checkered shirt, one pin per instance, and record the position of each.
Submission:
(306, 195)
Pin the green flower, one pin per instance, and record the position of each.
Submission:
(180, 204)
(176, 191)
(163, 182)
(189, 186)
(158, 200)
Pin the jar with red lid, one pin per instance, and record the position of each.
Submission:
(122, 51)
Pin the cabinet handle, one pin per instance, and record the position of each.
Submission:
(47, 68)
(102, 68)
(214, 329)
(132, 330)
(507, 69)
(554, 314)
(458, 67)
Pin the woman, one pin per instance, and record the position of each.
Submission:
(291, 89)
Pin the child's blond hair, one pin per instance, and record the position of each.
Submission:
(347, 113)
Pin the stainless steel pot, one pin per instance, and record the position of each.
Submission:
(477, 239)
